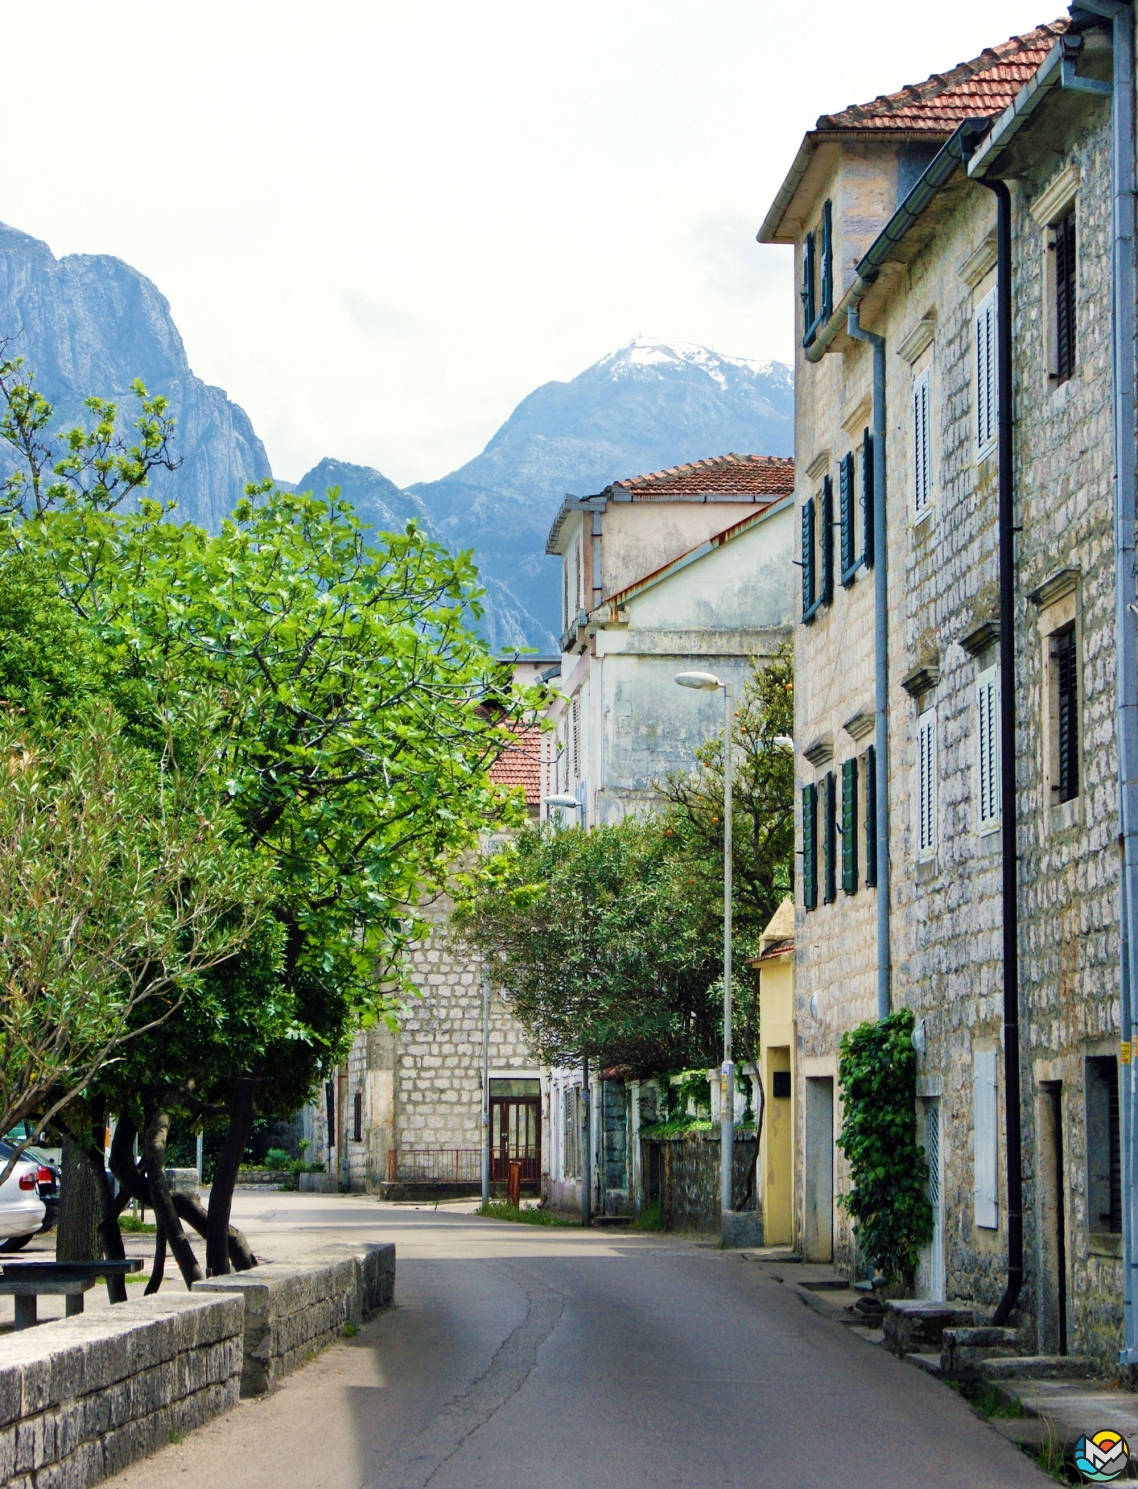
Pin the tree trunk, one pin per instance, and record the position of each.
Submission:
(80, 1207)
(191, 1210)
(157, 1131)
(241, 1114)
(109, 1234)
(158, 1270)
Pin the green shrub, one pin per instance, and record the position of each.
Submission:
(277, 1158)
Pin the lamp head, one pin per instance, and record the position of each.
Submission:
(568, 803)
(704, 680)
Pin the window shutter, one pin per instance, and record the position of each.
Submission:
(827, 262)
(870, 817)
(849, 826)
(826, 545)
(809, 307)
(575, 759)
(985, 1140)
(808, 577)
(1067, 697)
(926, 783)
(988, 729)
(830, 837)
(987, 379)
(810, 847)
(1064, 249)
(867, 498)
(922, 453)
(846, 510)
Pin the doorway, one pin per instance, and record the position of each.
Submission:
(515, 1129)
(1052, 1221)
(818, 1180)
(933, 1260)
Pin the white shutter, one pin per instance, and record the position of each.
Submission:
(988, 731)
(922, 446)
(987, 380)
(575, 758)
(926, 783)
(985, 1140)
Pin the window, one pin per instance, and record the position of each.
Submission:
(577, 596)
(809, 582)
(810, 847)
(987, 375)
(1065, 689)
(571, 1148)
(575, 721)
(985, 1140)
(358, 1117)
(565, 594)
(1063, 247)
(922, 449)
(330, 1111)
(816, 313)
(988, 731)
(850, 559)
(849, 826)
(829, 838)
(1104, 1150)
(870, 817)
(826, 545)
(867, 498)
(926, 783)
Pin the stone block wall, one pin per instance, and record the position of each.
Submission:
(291, 1312)
(689, 1178)
(83, 1397)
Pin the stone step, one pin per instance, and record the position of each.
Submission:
(966, 1349)
(826, 1285)
(1039, 1367)
(917, 1325)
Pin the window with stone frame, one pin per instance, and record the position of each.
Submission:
(926, 783)
(988, 749)
(1104, 1146)
(1063, 266)
(922, 445)
(817, 551)
(1064, 690)
(986, 375)
(817, 293)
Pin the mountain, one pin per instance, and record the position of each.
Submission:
(649, 405)
(90, 324)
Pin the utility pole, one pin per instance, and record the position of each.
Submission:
(485, 1085)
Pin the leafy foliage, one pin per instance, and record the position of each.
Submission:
(888, 1199)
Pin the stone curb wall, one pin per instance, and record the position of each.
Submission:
(83, 1397)
(292, 1311)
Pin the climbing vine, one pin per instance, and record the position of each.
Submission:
(888, 1200)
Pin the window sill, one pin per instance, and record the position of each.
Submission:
(989, 829)
(1104, 1243)
(920, 518)
(926, 868)
(1067, 814)
(989, 452)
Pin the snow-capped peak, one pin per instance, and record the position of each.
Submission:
(648, 351)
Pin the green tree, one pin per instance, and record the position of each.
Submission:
(888, 1197)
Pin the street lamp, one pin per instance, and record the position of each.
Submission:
(708, 682)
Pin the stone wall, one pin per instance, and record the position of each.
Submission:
(291, 1312)
(83, 1397)
(687, 1173)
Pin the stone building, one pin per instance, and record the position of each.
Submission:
(901, 897)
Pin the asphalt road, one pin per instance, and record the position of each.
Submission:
(520, 1357)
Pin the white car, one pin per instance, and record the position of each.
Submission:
(22, 1212)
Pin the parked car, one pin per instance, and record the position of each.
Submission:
(24, 1208)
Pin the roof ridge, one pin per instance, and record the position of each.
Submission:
(709, 462)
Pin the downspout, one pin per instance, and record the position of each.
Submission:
(1008, 806)
(1125, 600)
(880, 655)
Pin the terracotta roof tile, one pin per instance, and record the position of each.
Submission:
(766, 477)
(520, 765)
(981, 88)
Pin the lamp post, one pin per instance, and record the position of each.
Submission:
(708, 682)
(566, 803)
(485, 1084)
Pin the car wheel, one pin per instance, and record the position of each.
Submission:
(14, 1243)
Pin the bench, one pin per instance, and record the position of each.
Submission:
(25, 1281)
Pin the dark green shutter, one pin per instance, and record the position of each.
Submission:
(826, 546)
(809, 304)
(808, 547)
(846, 510)
(810, 847)
(830, 837)
(867, 499)
(849, 826)
(870, 818)
(827, 263)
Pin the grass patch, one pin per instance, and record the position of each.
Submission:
(649, 1218)
(135, 1226)
(137, 1277)
(500, 1210)
(175, 1436)
(351, 1330)
(987, 1401)
(677, 1127)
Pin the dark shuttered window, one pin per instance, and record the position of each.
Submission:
(1064, 248)
(849, 826)
(1067, 700)
(870, 817)
(358, 1117)
(867, 499)
(846, 512)
(827, 263)
(810, 847)
(809, 297)
(826, 545)
(829, 838)
(809, 574)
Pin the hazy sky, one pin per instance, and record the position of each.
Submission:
(379, 225)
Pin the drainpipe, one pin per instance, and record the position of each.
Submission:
(881, 655)
(1125, 600)
(1009, 865)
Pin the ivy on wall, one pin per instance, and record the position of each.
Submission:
(888, 1199)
